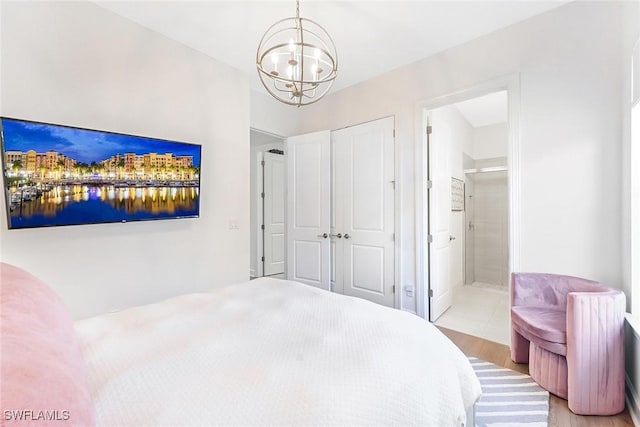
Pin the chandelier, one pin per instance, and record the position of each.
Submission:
(297, 60)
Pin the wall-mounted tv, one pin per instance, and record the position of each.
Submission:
(63, 175)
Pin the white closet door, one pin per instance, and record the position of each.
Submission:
(308, 209)
(337, 247)
(364, 210)
(274, 182)
(439, 220)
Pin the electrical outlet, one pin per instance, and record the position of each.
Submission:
(408, 291)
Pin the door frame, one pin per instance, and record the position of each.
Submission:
(259, 215)
(259, 206)
(272, 159)
(510, 83)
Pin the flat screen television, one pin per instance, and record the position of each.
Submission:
(62, 175)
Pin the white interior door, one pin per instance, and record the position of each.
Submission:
(363, 182)
(274, 210)
(439, 169)
(308, 209)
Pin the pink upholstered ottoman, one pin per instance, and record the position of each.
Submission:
(549, 370)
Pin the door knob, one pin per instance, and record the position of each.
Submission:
(346, 236)
(451, 238)
(339, 235)
(323, 235)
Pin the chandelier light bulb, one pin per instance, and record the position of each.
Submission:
(274, 59)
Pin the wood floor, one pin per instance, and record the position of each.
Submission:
(559, 413)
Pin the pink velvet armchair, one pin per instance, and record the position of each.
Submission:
(570, 331)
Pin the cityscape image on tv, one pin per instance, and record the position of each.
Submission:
(60, 175)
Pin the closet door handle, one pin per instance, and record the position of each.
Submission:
(323, 235)
(339, 235)
(346, 236)
(452, 238)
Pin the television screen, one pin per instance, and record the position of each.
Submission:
(62, 175)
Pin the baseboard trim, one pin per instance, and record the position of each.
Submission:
(252, 273)
(633, 402)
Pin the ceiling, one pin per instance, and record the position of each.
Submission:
(371, 37)
(485, 110)
(258, 138)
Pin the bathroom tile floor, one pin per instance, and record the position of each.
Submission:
(274, 276)
(480, 310)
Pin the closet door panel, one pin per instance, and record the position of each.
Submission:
(337, 211)
(365, 176)
(367, 182)
(308, 209)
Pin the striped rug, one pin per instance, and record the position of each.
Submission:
(509, 398)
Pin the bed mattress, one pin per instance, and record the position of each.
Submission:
(272, 352)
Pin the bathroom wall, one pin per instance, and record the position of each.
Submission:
(491, 226)
(469, 219)
(490, 200)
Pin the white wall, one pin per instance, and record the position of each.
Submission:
(630, 33)
(490, 141)
(272, 116)
(631, 276)
(77, 64)
(569, 131)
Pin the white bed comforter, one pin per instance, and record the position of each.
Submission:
(273, 352)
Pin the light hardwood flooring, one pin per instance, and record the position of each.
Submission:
(559, 413)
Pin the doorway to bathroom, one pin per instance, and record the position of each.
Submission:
(467, 252)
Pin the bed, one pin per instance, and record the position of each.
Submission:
(271, 352)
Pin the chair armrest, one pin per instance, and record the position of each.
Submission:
(595, 318)
(595, 351)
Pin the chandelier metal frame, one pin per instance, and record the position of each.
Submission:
(308, 44)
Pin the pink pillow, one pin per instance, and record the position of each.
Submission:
(43, 377)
